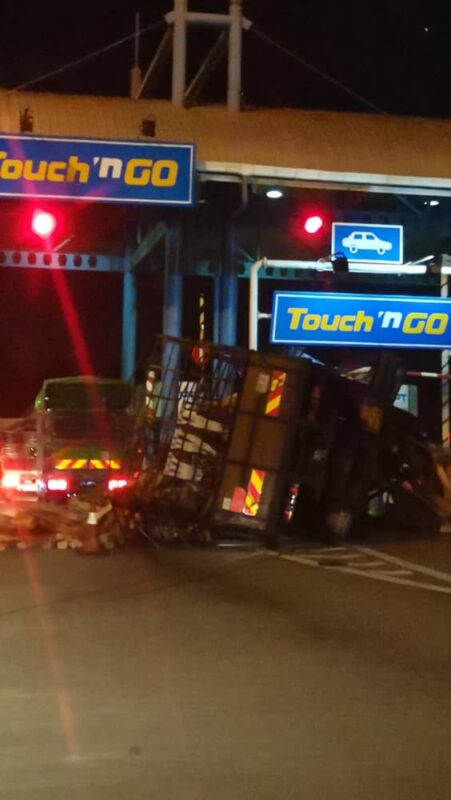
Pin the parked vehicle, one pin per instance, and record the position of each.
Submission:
(75, 441)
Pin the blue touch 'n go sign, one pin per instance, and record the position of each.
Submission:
(360, 320)
(368, 244)
(103, 170)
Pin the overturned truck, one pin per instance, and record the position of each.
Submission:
(264, 444)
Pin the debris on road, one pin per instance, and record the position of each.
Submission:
(76, 526)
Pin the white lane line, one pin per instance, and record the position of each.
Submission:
(378, 576)
(350, 556)
(402, 573)
(309, 562)
(401, 562)
(323, 551)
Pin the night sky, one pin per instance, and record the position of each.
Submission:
(396, 54)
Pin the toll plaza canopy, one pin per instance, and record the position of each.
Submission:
(391, 163)
(358, 150)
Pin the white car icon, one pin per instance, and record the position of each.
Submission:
(365, 240)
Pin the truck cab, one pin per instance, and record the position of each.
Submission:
(83, 432)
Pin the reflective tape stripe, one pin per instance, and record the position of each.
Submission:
(254, 490)
(64, 464)
(273, 407)
(274, 396)
(85, 463)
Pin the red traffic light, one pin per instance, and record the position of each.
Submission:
(313, 224)
(43, 224)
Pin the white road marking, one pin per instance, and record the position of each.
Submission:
(373, 564)
(323, 550)
(386, 576)
(401, 562)
(351, 555)
(308, 562)
(401, 573)
(325, 555)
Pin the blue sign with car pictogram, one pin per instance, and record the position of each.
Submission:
(368, 244)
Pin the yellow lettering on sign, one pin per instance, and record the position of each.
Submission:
(38, 175)
(311, 322)
(169, 167)
(138, 172)
(414, 322)
(347, 323)
(326, 325)
(77, 168)
(296, 314)
(362, 320)
(437, 329)
(54, 173)
(11, 169)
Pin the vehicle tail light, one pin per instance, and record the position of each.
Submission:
(57, 485)
(10, 480)
(117, 483)
(27, 486)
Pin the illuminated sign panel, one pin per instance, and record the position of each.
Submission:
(360, 320)
(368, 244)
(102, 170)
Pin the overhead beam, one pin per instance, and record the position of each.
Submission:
(200, 18)
(147, 244)
(208, 269)
(324, 179)
(77, 262)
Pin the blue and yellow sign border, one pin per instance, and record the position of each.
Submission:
(359, 320)
(101, 170)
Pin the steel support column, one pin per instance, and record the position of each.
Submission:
(216, 308)
(179, 53)
(234, 66)
(228, 291)
(129, 317)
(173, 281)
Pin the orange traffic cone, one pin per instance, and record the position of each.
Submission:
(90, 539)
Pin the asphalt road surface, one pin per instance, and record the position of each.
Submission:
(221, 675)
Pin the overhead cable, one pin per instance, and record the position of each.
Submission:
(312, 68)
(87, 57)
